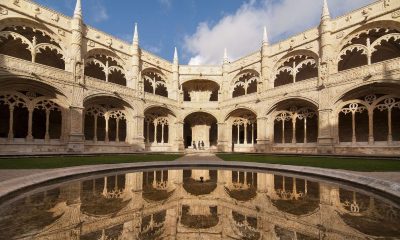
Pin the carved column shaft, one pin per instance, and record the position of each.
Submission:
(11, 124)
(95, 129)
(29, 137)
(47, 134)
(107, 129)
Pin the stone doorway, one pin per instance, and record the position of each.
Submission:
(200, 132)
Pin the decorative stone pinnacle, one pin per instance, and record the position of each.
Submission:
(176, 55)
(226, 60)
(136, 35)
(265, 36)
(78, 9)
(325, 11)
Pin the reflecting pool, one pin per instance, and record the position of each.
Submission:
(199, 204)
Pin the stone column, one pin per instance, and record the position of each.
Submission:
(47, 135)
(245, 133)
(179, 141)
(135, 127)
(325, 139)
(263, 141)
(117, 130)
(305, 129)
(11, 125)
(107, 118)
(222, 137)
(283, 131)
(95, 129)
(389, 137)
(238, 135)
(148, 132)
(29, 137)
(162, 133)
(371, 127)
(76, 119)
(353, 127)
(252, 134)
(294, 129)
(155, 132)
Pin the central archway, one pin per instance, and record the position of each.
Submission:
(200, 131)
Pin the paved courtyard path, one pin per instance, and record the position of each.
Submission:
(8, 174)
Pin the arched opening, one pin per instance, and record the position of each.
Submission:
(243, 125)
(157, 127)
(369, 114)
(370, 46)
(154, 82)
(294, 69)
(31, 44)
(295, 121)
(106, 67)
(245, 83)
(353, 58)
(46, 120)
(30, 115)
(200, 91)
(200, 131)
(105, 120)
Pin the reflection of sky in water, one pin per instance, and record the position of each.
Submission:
(199, 204)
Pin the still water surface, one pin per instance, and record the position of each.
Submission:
(199, 204)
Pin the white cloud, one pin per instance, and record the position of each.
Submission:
(99, 12)
(241, 32)
(166, 3)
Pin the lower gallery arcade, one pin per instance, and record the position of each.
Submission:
(37, 117)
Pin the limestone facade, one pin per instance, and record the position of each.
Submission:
(67, 87)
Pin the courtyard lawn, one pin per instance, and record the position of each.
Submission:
(70, 161)
(353, 164)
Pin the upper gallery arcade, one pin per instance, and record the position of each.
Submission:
(67, 87)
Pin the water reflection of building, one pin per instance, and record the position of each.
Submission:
(199, 204)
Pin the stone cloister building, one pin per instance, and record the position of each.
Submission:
(67, 87)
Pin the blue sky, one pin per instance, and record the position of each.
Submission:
(201, 29)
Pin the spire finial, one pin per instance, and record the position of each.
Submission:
(325, 11)
(226, 60)
(265, 36)
(78, 9)
(136, 35)
(175, 55)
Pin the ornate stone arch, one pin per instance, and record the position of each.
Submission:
(105, 65)
(248, 80)
(19, 21)
(296, 66)
(155, 81)
(275, 103)
(359, 47)
(231, 110)
(43, 46)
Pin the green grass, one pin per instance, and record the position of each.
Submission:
(354, 164)
(70, 161)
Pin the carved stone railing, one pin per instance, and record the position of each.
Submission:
(18, 67)
(110, 87)
(241, 99)
(367, 72)
(288, 89)
(159, 99)
(203, 105)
